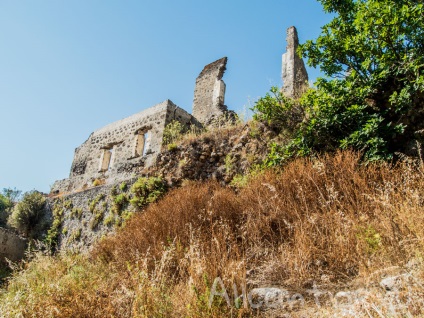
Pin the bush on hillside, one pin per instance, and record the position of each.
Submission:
(28, 216)
(8, 198)
(146, 191)
(5, 204)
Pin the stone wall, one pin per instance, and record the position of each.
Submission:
(12, 246)
(209, 93)
(88, 215)
(121, 149)
(295, 77)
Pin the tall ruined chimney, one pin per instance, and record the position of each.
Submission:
(294, 73)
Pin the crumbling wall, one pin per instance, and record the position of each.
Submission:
(86, 216)
(294, 73)
(209, 93)
(121, 149)
(12, 246)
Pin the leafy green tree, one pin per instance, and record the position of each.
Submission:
(8, 198)
(28, 214)
(372, 98)
(4, 207)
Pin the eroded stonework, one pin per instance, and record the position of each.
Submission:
(121, 149)
(128, 147)
(295, 77)
(209, 94)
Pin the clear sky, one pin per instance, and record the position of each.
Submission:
(70, 67)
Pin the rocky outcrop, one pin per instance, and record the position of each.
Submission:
(220, 155)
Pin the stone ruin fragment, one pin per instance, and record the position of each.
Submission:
(295, 77)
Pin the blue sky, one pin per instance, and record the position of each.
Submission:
(70, 67)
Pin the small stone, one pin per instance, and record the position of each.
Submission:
(391, 283)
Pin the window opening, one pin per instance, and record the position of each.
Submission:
(142, 141)
(106, 159)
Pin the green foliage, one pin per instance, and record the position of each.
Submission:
(13, 195)
(172, 147)
(97, 218)
(123, 186)
(374, 52)
(76, 213)
(109, 219)
(97, 199)
(5, 205)
(54, 231)
(120, 201)
(28, 215)
(65, 230)
(8, 198)
(229, 163)
(372, 98)
(75, 235)
(147, 190)
(278, 111)
(371, 238)
(173, 132)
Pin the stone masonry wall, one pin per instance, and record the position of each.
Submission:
(12, 246)
(88, 215)
(294, 73)
(209, 92)
(120, 142)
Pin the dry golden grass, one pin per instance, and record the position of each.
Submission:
(329, 220)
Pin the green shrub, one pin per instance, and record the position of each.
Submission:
(173, 132)
(97, 218)
(123, 186)
(109, 220)
(172, 147)
(75, 235)
(65, 230)
(5, 206)
(54, 231)
(76, 213)
(278, 111)
(93, 204)
(28, 216)
(147, 190)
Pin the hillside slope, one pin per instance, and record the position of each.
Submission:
(315, 238)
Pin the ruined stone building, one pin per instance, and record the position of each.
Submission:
(127, 147)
